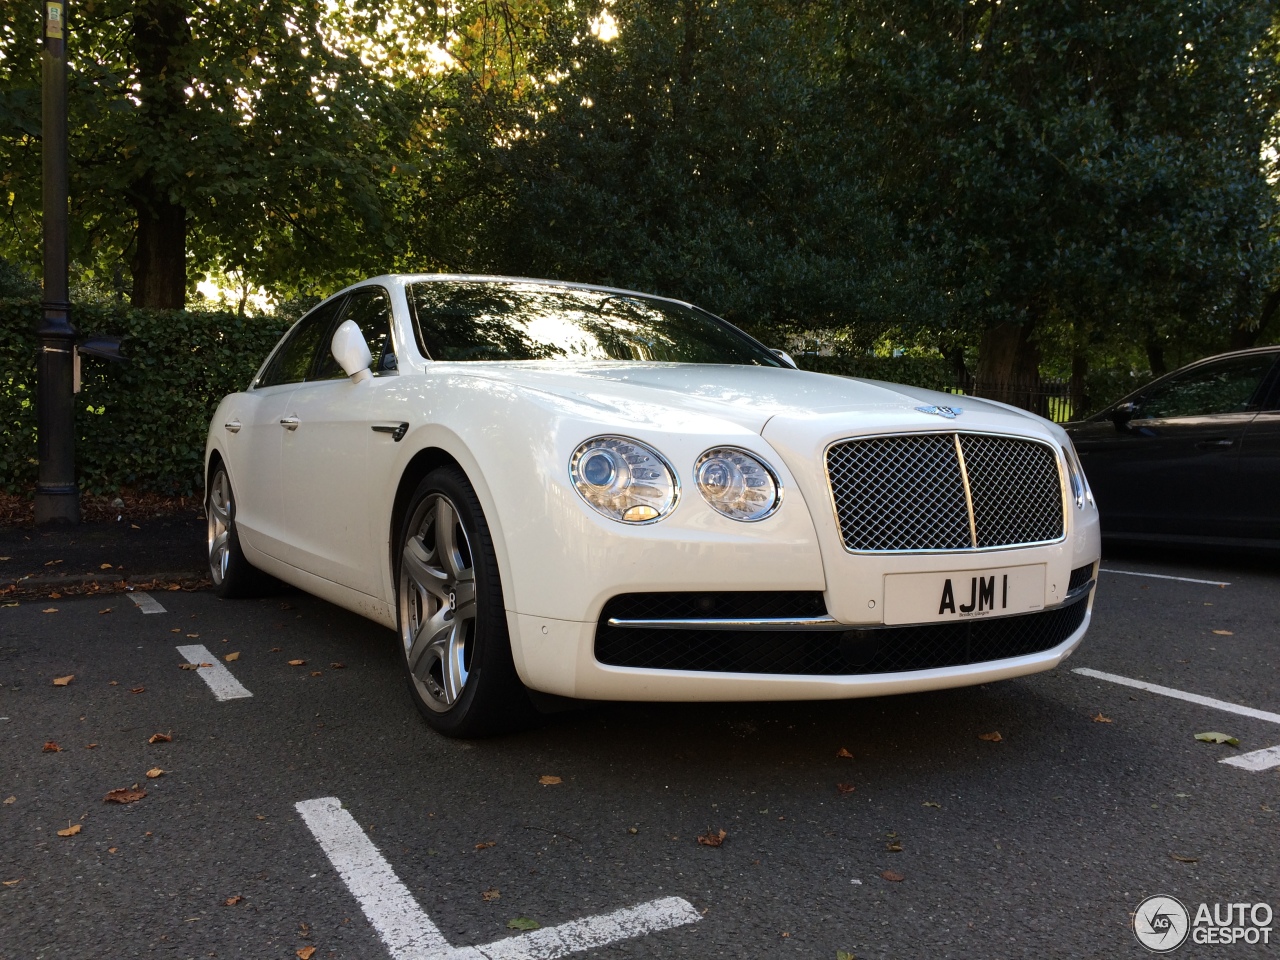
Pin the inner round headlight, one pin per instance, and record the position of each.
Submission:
(624, 479)
(737, 484)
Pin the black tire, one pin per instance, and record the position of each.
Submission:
(452, 622)
(233, 576)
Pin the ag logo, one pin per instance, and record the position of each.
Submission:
(1161, 924)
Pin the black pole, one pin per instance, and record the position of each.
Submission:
(57, 496)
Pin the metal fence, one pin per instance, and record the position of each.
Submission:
(1049, 398)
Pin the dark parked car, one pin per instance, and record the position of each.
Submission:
(1193, 456)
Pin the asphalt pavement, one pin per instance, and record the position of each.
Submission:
(933, 838)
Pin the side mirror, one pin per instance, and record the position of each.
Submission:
(786, 358)
(351, 351)
(1122, 413)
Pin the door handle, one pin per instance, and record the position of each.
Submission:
(1214, 444)
(289, 423)
(233, 426)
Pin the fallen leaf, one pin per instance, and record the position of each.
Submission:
(486, 844)
(55, 596)
(892, 876)
(993, 737)
(105, 610)
(1182, 859)
(491, 895)
(138, 690)
(105, 566)
(297, 663)
(91, 746)
(1218, 738)
(160, 738)
(112, 849)
(231, 657)
(50, 610)
(11, 883)
(52, 563)
(9, 800)
(1101, 719)
(173, 586)
(71, 830)
(63, 681)
(232, 901)
(712, 838)
(274, 650)
(113, 683)
(188, 666)
(51, 747)
(845, 955)
(845, 787)
(1224, 633)
(124, 795)
(842, 752)
(338, 666)
(204, 664)
(176, 630)
(523, 923)
(894, 847)
(930, 803)
(316, 673)
(155, 772)
(305, 953)
(134, 526)
(193, 636)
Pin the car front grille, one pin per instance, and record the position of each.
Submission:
(838, 653)
(909, 492)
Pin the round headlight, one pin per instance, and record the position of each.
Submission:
(624, 479)
(737, 484)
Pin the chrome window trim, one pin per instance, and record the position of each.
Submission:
(1063, 485)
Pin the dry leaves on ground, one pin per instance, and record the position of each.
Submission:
(486, 844)
(232, 901)
(188, 666)
(992, 737)
(231, 657)
(71, 831)
(11, 883)
(161, 737)
(1101, 719)
(155, 772)
(892, 876)
(491, 895)
(50, 747)
(138, 690)
(931, 803)
(124, 795)
(1218, 738)
(1224, 633)
(297, 663)
(50, 610)
(547, 780)
(1182, 859)
(9, 800)
(306, 953)
(893, 847)
(712, 838)
(523, 923)
(104, 610)
(843, 752)
(91, 746)
(338, 666)
(63, 681)
(845, 787)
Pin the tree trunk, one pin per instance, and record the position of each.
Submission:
(1155, 356)
(1009, 366)
(160, 258)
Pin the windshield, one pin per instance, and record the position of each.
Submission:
(515, 320)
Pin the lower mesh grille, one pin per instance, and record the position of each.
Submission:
(724, 605)
(1079, 577)
(827, 653)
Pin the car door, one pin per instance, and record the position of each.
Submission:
(1170, 467)
(254, 449)
(1255, 512)
(334, 463)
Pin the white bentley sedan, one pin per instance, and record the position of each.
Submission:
(599, 494)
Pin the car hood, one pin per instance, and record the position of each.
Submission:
(751, 397)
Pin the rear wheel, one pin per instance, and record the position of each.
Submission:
(453, 625)
(233, 576)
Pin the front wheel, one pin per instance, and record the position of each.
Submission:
(233, 576)
(453, 626)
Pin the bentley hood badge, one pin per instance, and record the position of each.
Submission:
(949, 412)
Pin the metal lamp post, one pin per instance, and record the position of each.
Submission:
(57, 496)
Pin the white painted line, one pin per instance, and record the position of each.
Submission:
(591, 933)
(146, 603)
(218, 677)
(409, 933)
(1256, 760)
(1164, 576)
(1222, 705)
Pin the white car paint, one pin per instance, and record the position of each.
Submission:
(314, 503)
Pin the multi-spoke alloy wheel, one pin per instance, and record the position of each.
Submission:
(438, 601)
(232, 574)
(453, 625)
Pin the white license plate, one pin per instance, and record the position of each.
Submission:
(959, 595)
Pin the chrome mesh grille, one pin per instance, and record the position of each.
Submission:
(908, 492)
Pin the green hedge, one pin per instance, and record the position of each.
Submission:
(139, 425)
(933, 373)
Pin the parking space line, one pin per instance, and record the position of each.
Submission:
(1222, 705)
(1163, 576)
(217, 676)
(146, 603)
(409, 934)
(1255, 760)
